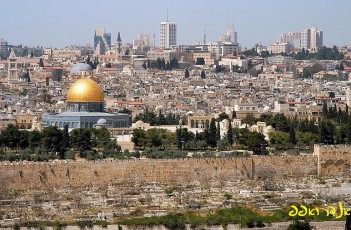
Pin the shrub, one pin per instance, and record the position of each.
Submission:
(69, 155)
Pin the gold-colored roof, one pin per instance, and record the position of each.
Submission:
(85, 90)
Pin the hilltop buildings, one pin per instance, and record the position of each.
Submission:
(308, 39)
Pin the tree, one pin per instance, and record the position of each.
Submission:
(186, 74)
(257, 143)
(220, 69)
(211, 139)
(34, 138)
(81, 139)
(41, 62)
(249, 119)
(280, 122)
(230, 133)
(223, 116)
(218, 132)
(233, 114)
(300, 225)
(11, 136)
(279, 140)
(200, 61)
(173, 64)
(292, 135)
(52, 139)
(24, 139)
(138, 138)
(65, 140)
(203, 74)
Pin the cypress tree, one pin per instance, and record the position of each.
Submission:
(211, 140)
(218, 132)
(233, 114)
(292, 135)
(230, 133)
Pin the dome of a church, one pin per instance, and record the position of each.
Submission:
(79, 67)
(85, 90)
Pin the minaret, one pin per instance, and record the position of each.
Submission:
(12, 67)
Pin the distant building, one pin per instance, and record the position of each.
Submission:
(3, 47)
(311, 39)
(278, 48)
(168, 34)
(142, 43)
(102, 41)
(230, 36)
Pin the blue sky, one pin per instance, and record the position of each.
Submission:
(59, 23)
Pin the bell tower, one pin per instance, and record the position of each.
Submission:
(12, 67)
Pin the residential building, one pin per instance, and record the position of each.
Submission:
(278, 48)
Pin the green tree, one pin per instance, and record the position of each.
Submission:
(233, 114)
(173, 64)
(222, 116)
(65, 139)
(211, 139)
(257, 143)
(203, 74)
(200, 61)
(249, 119)
(280, 122)
(52, 139)
(279, 140)
(81, 139)
(230, 133)
(41, 62)
(292, 136)
(35, 139)
(139, 138)
(218, 132)
(11, 136)
(186, 74)
(24, 139)
(300, 225)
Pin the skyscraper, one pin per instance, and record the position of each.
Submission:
(102, 41)
(168, 34)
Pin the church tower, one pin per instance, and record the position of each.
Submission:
(119, 46)
(12, 67)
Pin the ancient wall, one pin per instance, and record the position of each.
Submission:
(333, 159)
(60, 174)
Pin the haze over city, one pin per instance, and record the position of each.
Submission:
(65, 22)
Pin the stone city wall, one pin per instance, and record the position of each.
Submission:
(333, 159)
(60, 174)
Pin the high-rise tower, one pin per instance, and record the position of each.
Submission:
(102, 41)
(168, 34)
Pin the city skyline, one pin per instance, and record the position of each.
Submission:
(50, 24)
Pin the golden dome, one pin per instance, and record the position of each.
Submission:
(85, 90)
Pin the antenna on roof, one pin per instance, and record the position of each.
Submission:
(167, 14)
(233, 19)
(205, 31)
